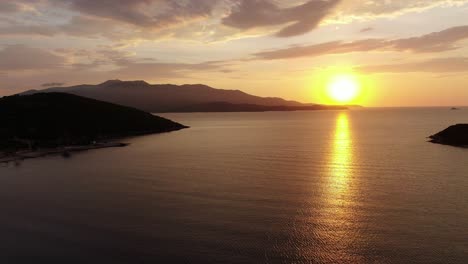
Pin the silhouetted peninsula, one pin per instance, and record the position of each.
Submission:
(456, 135)
(163, 98)
(50, 120)
(228, 107)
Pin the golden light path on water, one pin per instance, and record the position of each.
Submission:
(339, 230)
(341, 159)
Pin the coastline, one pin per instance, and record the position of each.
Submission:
(455, 135)
(64, 151)
(441, 142)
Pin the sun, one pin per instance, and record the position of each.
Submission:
(343, 88)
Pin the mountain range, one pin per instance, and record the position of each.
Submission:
(160, 98)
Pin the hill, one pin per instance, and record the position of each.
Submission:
(162, 98)
(59, 119)
(456, 135)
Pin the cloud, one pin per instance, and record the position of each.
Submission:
(17, 6)
(87, 27)
(9, 7)
(20, 58)
(203, 20)
(434, 42)
(367, 29)
(154, 14)
(146, 70)
(301, 19)
(439, 65)
(111, 19)
(368, 10)
(28, 30)
(444, 40)
(124, 64)
(333, 47)
(23, 67)
(77, 26)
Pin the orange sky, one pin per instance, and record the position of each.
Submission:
(403, 53)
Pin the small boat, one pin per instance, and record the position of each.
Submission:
(454, 108)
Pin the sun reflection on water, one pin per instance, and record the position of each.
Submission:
(338, 224)
(340, 159)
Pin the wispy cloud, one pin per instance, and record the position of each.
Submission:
(145, 18)
(440, 65)
(21, 58)
(367, 29)
(145, 13)
(350, 10)
(249, 14)
(18, 6)
(22, 65)
(327, 48)
(112, 19)
(152, 19)
(434, 42)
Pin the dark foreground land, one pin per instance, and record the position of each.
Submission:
(59, 120)
(456, 135)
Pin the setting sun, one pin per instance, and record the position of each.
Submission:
(343, 89)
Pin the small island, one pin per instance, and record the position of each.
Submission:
(53, 123)
(456, 135)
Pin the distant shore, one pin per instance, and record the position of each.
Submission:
(64, 151)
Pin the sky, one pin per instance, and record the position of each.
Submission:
(401, 53)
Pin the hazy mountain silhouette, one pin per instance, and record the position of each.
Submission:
(57, 119)
(228, 107)
(174, 98)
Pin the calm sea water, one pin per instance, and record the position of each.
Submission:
(358, 186)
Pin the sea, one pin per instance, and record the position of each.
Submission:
(356, 186)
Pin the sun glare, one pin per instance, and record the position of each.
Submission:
(343, 89)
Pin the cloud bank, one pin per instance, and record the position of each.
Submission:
(439, 65)
(301, 19)
(152, 19)
(445, 40)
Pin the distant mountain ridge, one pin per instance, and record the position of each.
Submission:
(227, 107)
(160, 98)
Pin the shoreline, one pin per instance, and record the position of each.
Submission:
(438, 142)
(64, 151)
